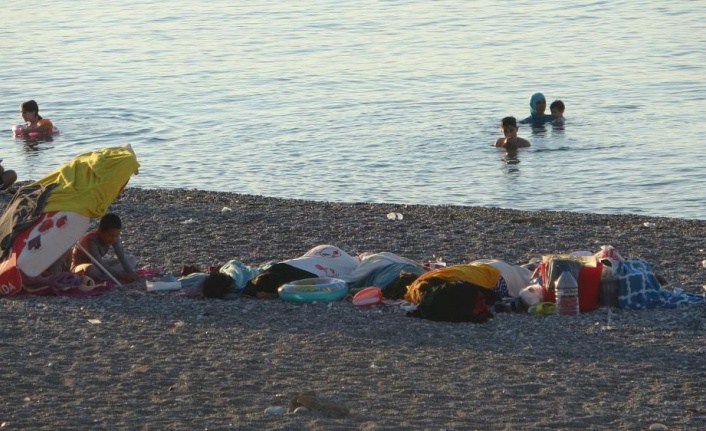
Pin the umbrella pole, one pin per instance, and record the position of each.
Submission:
(98, 264)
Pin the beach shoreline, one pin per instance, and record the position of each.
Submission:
(132, 359)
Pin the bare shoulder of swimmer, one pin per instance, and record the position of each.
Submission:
(522, 143)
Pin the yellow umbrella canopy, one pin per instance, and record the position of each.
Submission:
(89, 183)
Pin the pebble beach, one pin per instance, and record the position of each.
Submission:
(137, 360)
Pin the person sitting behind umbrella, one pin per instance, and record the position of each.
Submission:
(97, 243)
(7, 177)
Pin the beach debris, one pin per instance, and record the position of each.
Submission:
(703, 263)
(395, 216)
(226, 210)
(648, 224)
(189, 269)
(311, 401)
(152, 286)
(581, 253)
(94, 321)
(275, 411)
(542, 309)
(408, 306)
(300, 410)
(188, 221)
(658, 427)
(608, 326)
(532, 295)
(433, 263)
(608, 252)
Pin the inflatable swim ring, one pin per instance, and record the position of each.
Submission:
(19, 131)
(313, 289)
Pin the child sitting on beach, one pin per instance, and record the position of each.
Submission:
(557, 109)
(511, 142)
(97, 243)
(8, 178)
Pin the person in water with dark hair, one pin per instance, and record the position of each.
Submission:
(557, 109)
(537, 118)
(34, 123)
(511, 142)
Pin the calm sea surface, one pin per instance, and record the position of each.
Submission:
(374, 101)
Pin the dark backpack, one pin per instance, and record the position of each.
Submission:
(456, 302)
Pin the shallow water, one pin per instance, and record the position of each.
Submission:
(389, 101)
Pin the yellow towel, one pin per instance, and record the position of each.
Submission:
(480, 274)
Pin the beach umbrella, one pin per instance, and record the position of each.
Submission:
(45, 219)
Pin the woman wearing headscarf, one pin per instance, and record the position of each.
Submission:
(537, 118)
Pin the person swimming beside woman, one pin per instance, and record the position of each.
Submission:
(537, 118)
(557, 109)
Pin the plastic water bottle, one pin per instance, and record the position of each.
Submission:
(567, 294)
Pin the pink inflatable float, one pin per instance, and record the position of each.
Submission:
(19, 131)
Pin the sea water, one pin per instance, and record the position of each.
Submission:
(371, 101)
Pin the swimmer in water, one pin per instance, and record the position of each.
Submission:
(537, 118)
(511, 142)
(34, 123)
(557, 109)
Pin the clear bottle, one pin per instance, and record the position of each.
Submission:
(567, 294)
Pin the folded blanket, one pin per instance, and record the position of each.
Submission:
(639, 288)
(62, 284)
(381, 270)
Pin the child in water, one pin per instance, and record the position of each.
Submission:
(537, 118)
(97, 243)
(557, 109)
(34, 123)
(511, 142)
